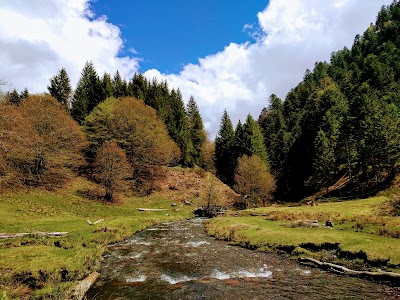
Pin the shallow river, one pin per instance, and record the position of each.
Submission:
(179, 261)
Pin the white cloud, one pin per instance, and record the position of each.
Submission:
(37, 38)
(294, 35)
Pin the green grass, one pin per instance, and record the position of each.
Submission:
(46, 263)
(361, 230)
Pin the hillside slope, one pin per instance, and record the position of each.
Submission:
(42, 267)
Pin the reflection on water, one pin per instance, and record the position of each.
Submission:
(179, 261)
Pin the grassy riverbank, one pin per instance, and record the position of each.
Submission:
(39, 267)
(363, 236)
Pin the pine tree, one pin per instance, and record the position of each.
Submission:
(138, 86)
(107, 85)
(24, 94)
(88, 94)
(324, 162)
(196, 130)
(240, 143)
(225, 158)
(178, 127)
(60, 87)
(273, 126)
(119, 86)
(14, 97)
(253, 139)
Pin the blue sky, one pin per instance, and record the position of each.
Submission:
(168, 35)
(200, 47)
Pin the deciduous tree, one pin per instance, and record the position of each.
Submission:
(253, 180)
(111, 168)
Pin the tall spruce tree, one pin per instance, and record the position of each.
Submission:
(196, 130)
(60, 88)
(224, 156)
(88, 94)
(119, 86)
(273, 126)
(138, 86)
(107, 85)
(253, 140)
(240, 141)
(178, 126)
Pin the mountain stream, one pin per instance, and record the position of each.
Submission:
(178, 260)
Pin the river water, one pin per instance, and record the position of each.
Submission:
(178, 260)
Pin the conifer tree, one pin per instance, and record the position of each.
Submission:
(138, 86)
(119, 86)
(107, 85)
(25, 94)
(60, 87)
(273, 126)
(88, 94)
(253, 140)
(14, 97)
(225, 158)
(180, 127)
(240, 142)
(196, 130)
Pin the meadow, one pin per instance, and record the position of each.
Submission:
(40, 266)
(364, 235)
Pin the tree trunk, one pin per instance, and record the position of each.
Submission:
(108, 196)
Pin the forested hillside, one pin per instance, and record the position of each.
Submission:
(117, 133)
(340, 127)
(337, 132)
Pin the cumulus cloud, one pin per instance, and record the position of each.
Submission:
(37, 38)
(291, 37)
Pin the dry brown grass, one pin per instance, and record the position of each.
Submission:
(194, 185)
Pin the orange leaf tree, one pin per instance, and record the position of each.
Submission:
(40, 142)
(111, 168)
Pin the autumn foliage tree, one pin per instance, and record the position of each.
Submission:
(40, 143)
(253, 180)
(111, 168)
(18, 142)
(137, 129)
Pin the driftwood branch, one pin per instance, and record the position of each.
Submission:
(382, 275)
(152, 209)
(98, 221)
(22, 234)
(84, 285)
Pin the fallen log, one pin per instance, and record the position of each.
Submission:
(381, 275)
(83, 286)
(22, 234)
(152, 209)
